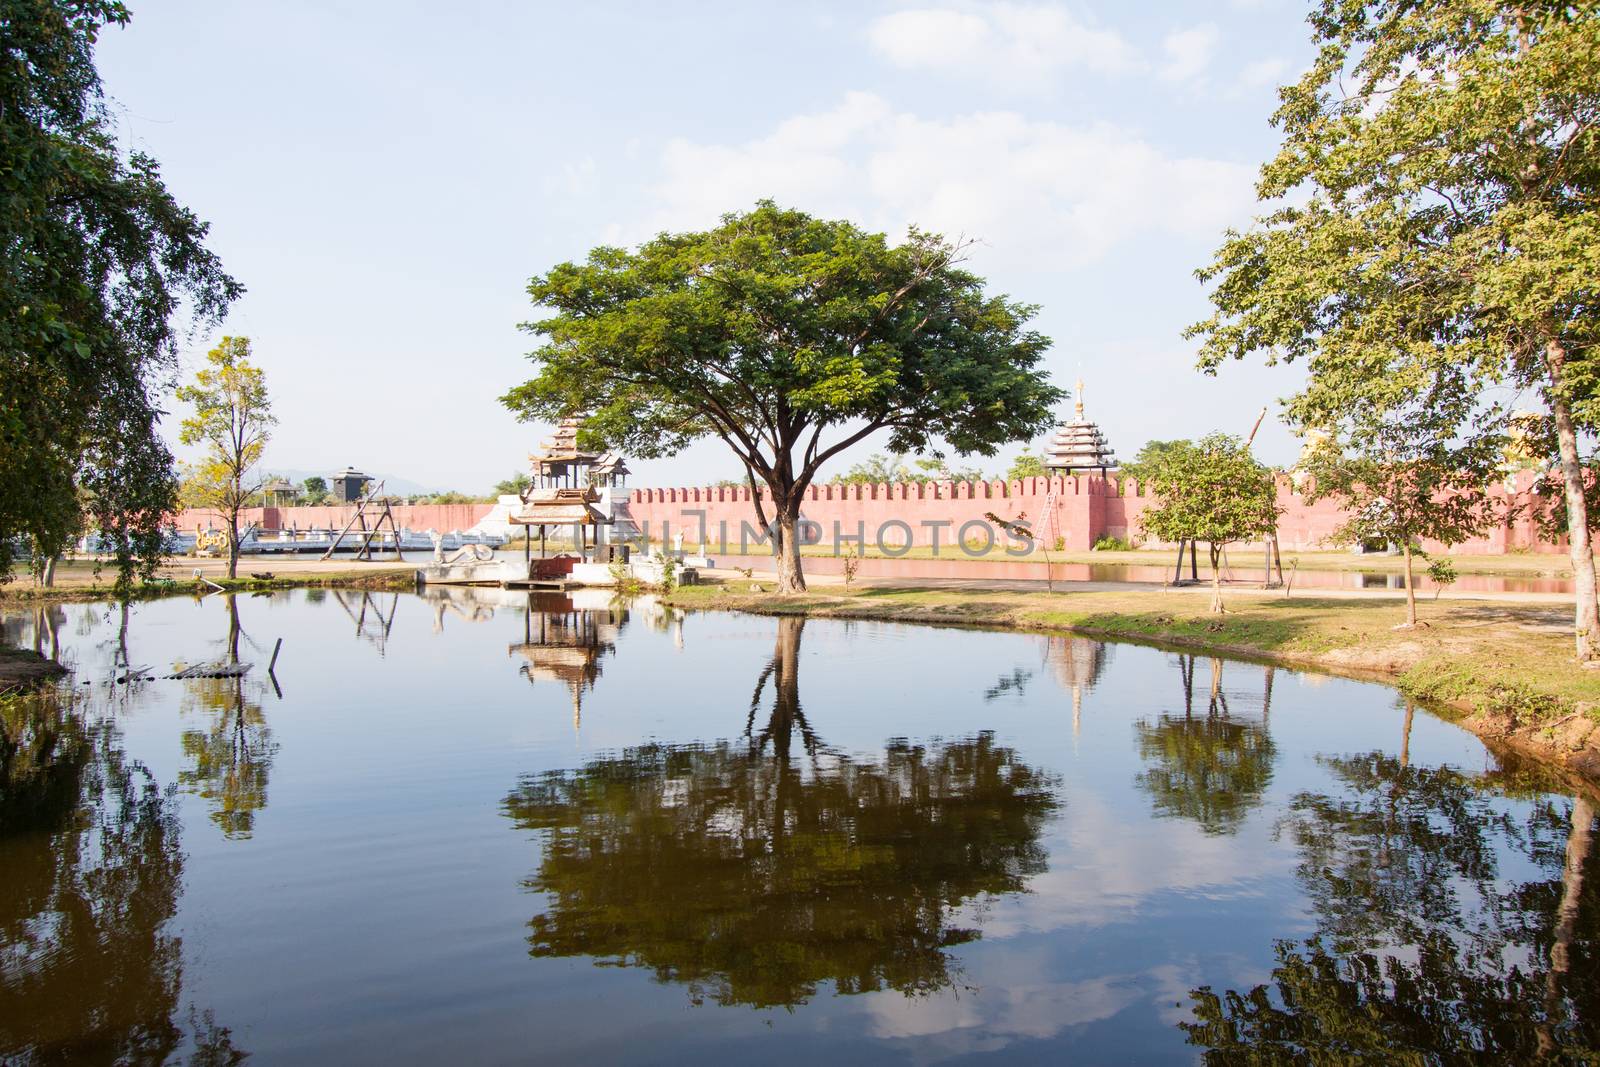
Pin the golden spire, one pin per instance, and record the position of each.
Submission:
(1079, 405)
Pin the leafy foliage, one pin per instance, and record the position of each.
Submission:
(1148, 456)
(232, 419)
(316, 490)
(1443, 235)
(774, 331)
(515, 485)
(1212, 491)
(892, 469)
(1404, 476)
(1027, 465)
(98, 263)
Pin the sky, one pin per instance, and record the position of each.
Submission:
(384, 180)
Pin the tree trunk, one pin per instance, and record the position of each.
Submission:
(1579, 842)
(790, 577)
(1216, 584)
(1405, 736)
(1411, 588)
(233, 628)
(784, 669)
(233, 546)
(1587, 620)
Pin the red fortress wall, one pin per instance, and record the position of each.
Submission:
(419, 517)
(1084, 509)
(1078, 510)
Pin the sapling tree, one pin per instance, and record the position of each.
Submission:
(1395, 460)
(1400, 500)
(1436, 200)
(788, 338)
(232, 419)
(1214, 491)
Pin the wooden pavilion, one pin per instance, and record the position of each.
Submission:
(565, 489)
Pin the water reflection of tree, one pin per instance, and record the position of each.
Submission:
(754, 878)
(230, 755)
(1433, 942)
(1212, 767)
(89, 970)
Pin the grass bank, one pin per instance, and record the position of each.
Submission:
(1505, 671)
(1504, 565)
(87, 584)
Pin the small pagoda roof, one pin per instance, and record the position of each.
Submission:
(351, 472)
(1079, 444)
(279, 485)
(562, 448)
(610, 463)
(562, 506)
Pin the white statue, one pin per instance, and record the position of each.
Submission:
(677, 544)
(438, 545)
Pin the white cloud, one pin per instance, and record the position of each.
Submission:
(1038, 193)
(1188, 52)
(1023, 46)
(1261, 74)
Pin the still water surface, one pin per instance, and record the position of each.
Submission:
(474, 827)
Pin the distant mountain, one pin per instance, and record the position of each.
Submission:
(391, 485)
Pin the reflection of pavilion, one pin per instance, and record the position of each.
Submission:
(1078, 663)
(563, 643)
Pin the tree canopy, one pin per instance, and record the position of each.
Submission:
(1404, 476)
(789, 338)
(1435, 224)
(99, 266)
(1144, 462)
(1212, 491)
(232, 419)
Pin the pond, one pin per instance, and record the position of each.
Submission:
(473, 826)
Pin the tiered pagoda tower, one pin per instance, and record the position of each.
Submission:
(1079, 445)
(565, 485)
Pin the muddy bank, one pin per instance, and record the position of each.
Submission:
(22, 668)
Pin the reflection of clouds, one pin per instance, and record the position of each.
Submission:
(1021, 1004)
(1034, 1010)
(1107, 867)
(1104, 867)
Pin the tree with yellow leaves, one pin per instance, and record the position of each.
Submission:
(233, 420)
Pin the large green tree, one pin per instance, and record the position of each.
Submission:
(1437, 210)
(789, 338)
(99, 268)
(1212, 491)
